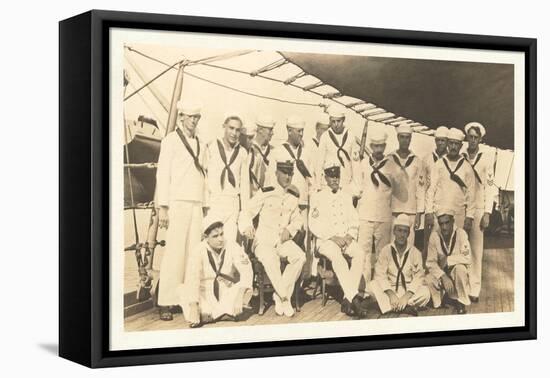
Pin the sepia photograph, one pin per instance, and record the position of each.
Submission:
(267, 189)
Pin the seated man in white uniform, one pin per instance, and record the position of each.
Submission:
(448, 262)
(279, 221)
(218, 280)
(335, 223)
(398, 283)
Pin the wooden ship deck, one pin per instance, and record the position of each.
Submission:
(497, 296)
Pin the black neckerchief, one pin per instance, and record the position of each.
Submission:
(376, 171)
(448, 251)
(227, 165)
(218, 272)
(400, 274)
(300, 165)
(264, 156)
(315, 141)
(397, 160)
(188, 148)
(253, 179)
(473, 165)
(453, 174)
(340, 147)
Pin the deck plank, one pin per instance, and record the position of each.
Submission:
(496, 295)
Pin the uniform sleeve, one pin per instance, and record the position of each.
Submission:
(245, 179)
(321, 161)
(296, 221)
(205, 163)
(430, 193)
(357, 167)
(317, 223)
(462, 253)
(417, 271)
(469, 180)
(353, 218)
(432, 259)
(164, 168)
(252, 209)
(381, 270)
(420, 188)
(243, 265)
(490, 187)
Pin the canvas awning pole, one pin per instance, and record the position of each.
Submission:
(176, 96)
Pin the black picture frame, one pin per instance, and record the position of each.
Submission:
(84, 187)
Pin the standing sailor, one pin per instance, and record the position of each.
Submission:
(181, 190)
(213, 288)
(293, 150)
(335, 223)
(321, 126)
(398, 283)
(335, 145)
(448, 263)
(279, 221)
(377, 177)
(248, 133)
(440, 139)
(452, 185)
(482, 162)
(228, 176)
(259, 154)
(411, 200)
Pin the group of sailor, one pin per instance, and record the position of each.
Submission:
(358, 204)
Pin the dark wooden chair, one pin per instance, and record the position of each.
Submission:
(262, 283)
(325, 274)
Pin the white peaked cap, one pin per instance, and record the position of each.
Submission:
(295, 122)
(265, 121)
(335, 112)
(475, 124)
(404, 129)
(442, 132)
(189, 107)
(377, 135)
(456, 134)
(402, 220)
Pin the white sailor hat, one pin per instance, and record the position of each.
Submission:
(189, 108)
(295, 122)
(322, 119)
(377, 135)
(249, 129)
(455, 134)
(477, 125)
(404, 129)
(210, 223)
(444, 211)
(232, 115)
(265, 121)
(335, 112)
(402, 220)
(441, 132)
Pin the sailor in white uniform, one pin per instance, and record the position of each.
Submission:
(335, 223)
(227, 176)
(482, 163)
(377, 177)
(448, 263)
(260, 152)
(411, 200)
(219, 278)
(279, 221)
(336, 145)
(398, 283)
(429, 160)
(452, 185)
(321, 126)
(180, 196)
